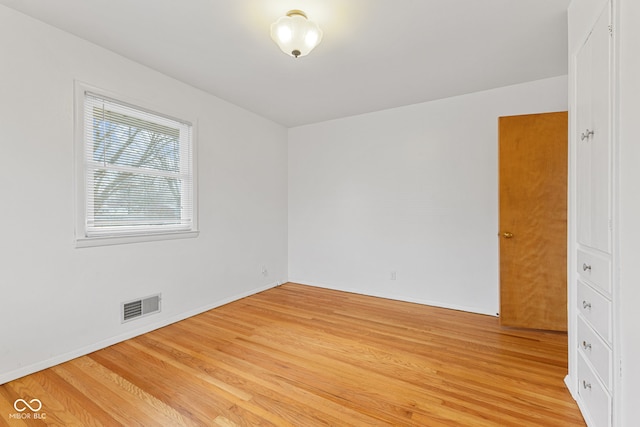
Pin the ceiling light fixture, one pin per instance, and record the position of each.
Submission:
(295, 34)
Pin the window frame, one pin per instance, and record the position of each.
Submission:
(82, 170)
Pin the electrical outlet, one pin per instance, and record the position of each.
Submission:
(265, 272)
(393, 275)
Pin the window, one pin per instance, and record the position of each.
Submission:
(137, 174)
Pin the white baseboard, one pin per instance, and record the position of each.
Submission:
(569, 383)
(395, 297)
(574, 394)
(35, 367)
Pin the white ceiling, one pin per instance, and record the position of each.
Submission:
(375, 54)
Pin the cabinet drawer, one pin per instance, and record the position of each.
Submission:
(595, 269)
(596, 309)
(595, 351)
(596, 400)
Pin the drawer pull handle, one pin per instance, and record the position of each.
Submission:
(586, 385)
(586, 134)
(586, 305)
(586, 267)
(586, 345)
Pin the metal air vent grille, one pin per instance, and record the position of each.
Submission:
(140, 308)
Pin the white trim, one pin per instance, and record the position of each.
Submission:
(79, 176)
(617, 409)
(87, 242)
(395, 297)
(30, 369)
(123, 106)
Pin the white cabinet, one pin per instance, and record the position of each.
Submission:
(594, 396)
(591, 321)
(595, 309)
(596, 351)
(593, 139)
(596, 269)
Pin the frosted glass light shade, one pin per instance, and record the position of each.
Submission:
(295, 34)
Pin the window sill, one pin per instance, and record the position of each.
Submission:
(86, 242)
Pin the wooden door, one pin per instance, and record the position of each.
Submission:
(533, 221)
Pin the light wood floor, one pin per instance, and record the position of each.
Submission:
(303, 356)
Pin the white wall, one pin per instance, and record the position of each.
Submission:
(56, 301)
(412, 190)
(628, 36)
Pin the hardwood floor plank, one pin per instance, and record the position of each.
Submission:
(302, 356)
(73, 400)
(264, 382)
(184, 393)
(205, 374)
(7, 398)
(53, 411)
(358, 387)
(116, 404)
(161, 413)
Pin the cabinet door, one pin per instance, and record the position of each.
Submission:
(594, 140)
(583, 149)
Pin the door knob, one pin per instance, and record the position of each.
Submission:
(586, 134)
(507, 235)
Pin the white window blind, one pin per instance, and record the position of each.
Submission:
(138, 170)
